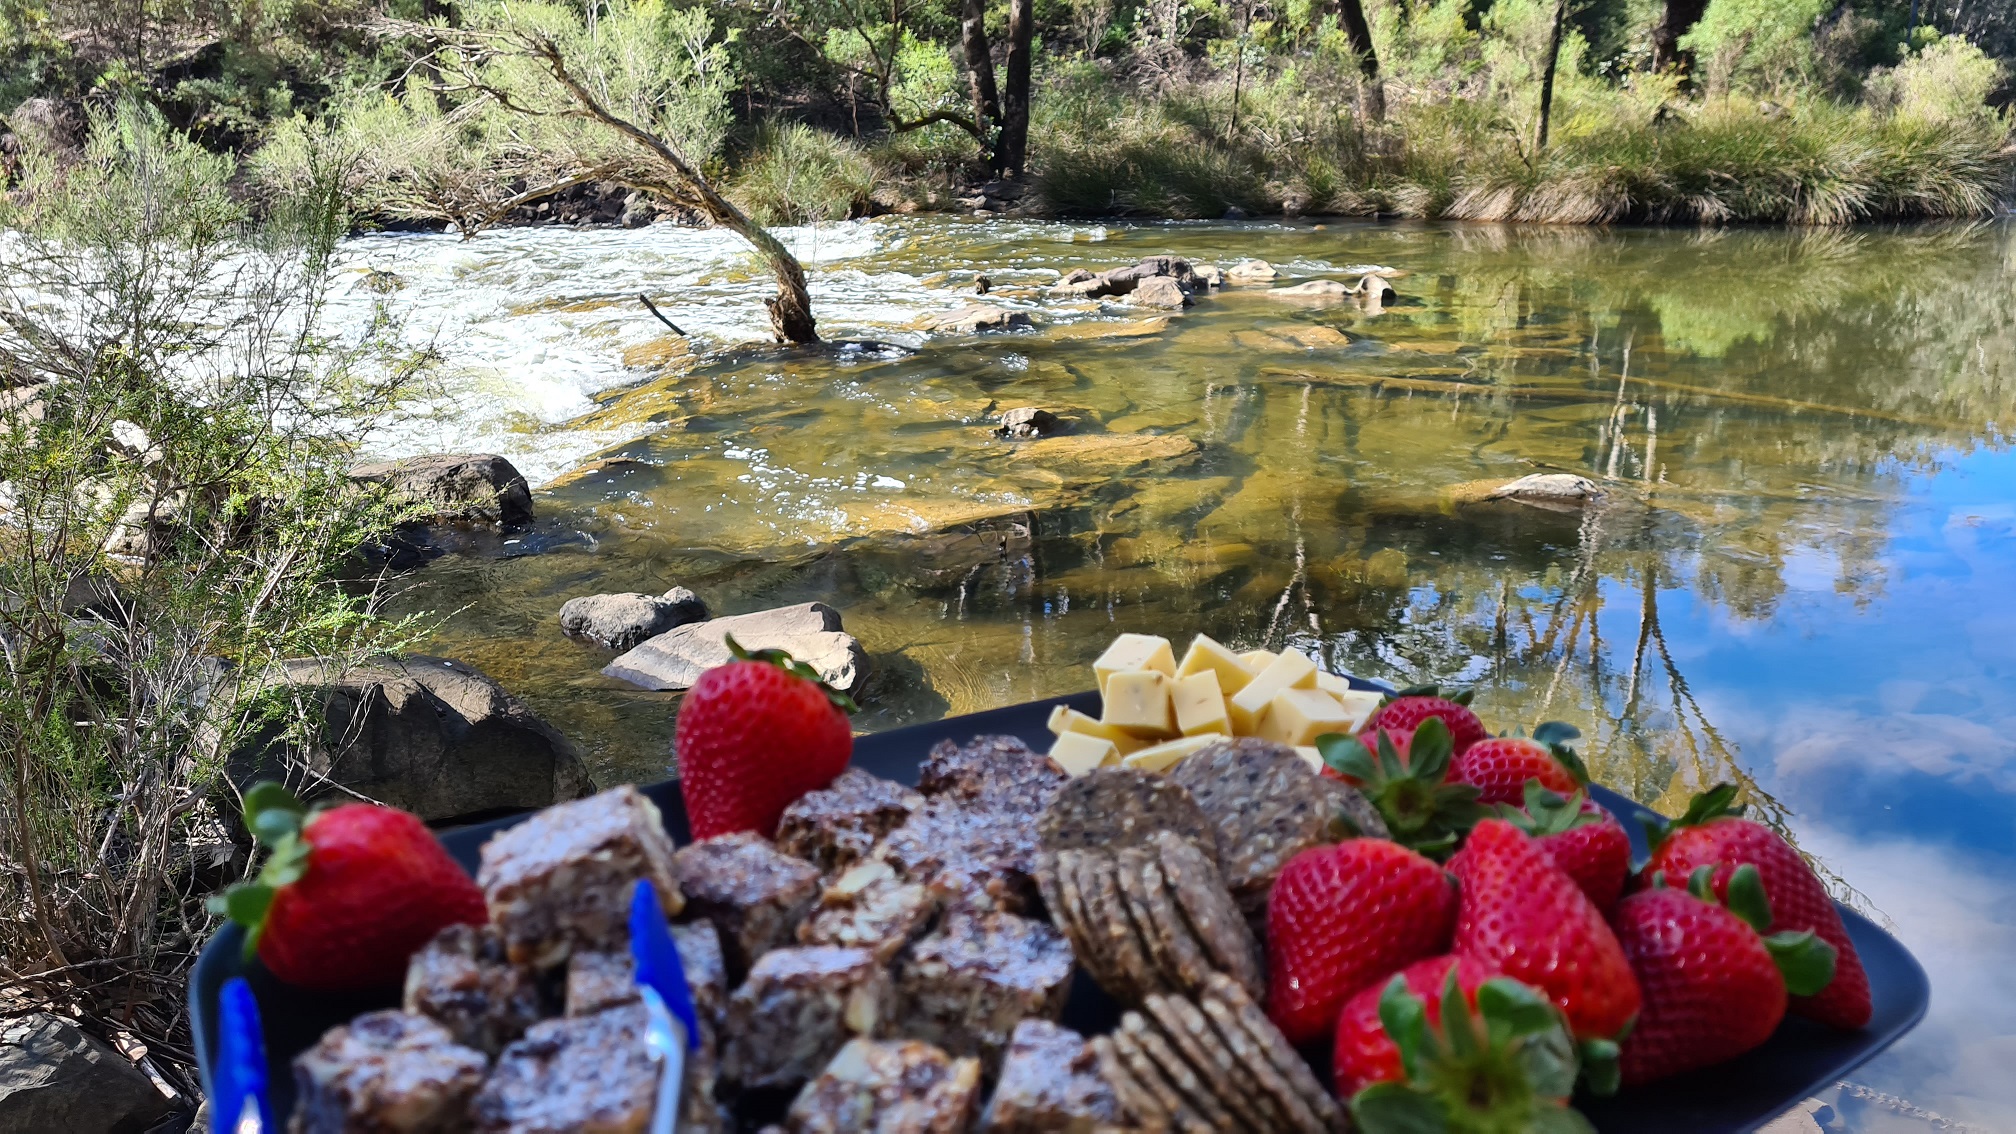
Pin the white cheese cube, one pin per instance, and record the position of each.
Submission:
(1065, 720)
(1132, 652)
(1257, 660)
(1311, 755)
(1162, 757)
(1291, 670)
(1205, 655)
(1200, 707)
(1297, 717)
(1361, 704)
(1078, 753)
(1138, 701)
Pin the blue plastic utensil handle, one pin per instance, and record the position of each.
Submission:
(658, 964)
(243, 1103)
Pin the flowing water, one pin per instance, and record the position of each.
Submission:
(1802, 573)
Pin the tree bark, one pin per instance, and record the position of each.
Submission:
(1547, 76)
(1012, 154)
(1676, 20)
(980, 64)
(1358, 33)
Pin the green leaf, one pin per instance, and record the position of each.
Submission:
(1405, 1019)
(1517, 1007)
(247, 904)
(1463, 697)
(1390, 767)
(1714, 803)
(1390, 1108)
(1348, 757)
(1459, 1035)
(287, 863)
(1701, 883)
(1746, 898)
(1429, 752)
(272, 812)
(1599, 1066)
(1806, 962)
(1551, 733)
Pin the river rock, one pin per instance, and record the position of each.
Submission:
(56, 1079)
(1251, 271)
(1323, 290)
(1560, 492)
(810, 632)
(1208, 275)
(1159, 291)
(1076, 276)
(621, 621)
(1026, 422)
(432, 736)
(449, 487)
(976, 317)
(1376, 290)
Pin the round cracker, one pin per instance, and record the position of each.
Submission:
(1109, 808)
(1293, 1109)
(1134, 1096)
(1275, 1047)
(1181, 1114)
(1176, 1071)
(1134, 974)
(1186, 961)
(1215, 1063)
(1070, 914)
(1215, 918)
(1267, 805)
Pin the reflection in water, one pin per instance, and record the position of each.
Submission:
(1797, 576)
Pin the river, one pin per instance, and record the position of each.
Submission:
(1801, 574)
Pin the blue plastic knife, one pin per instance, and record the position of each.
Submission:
(240, 1100)
(673, 1027)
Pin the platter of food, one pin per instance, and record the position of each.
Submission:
(1069, 914)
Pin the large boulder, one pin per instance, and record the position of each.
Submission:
(1122, 281)
(54, 1079)
(1250, 271)
(1159, 291)
(429, 735)
(809, 631)
(455, 487)
(620, 621)
(1556, 492)
(976, 317)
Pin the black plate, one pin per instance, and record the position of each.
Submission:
(1740, 1095)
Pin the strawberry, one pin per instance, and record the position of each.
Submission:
(754, 735)
(1525, 918)
(1501, 766)
(1713, 833)
(1343, 916)
(348, 894)
(1409, 707)
(1421, 810)
(1455, 1047)
(1713, 987)
(1585, 841)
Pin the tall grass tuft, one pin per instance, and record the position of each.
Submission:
(796, 174)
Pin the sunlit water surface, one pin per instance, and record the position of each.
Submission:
(1801, 577)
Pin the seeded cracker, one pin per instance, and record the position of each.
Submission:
(1214, 1063)
(1099, 882)
(1135, 1098)
(1210, 1017)
(1111, 808)
(1182, 1115)
(1182, 956)
(1219, 924)
(1236, 1005)
(1267, 806)
(1177, 1070)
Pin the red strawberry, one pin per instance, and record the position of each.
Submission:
(1449, 1046)
(1501, 765)
(346, 896)
(1713, 988)
(1585, 842)
(1420, 809)
(753, 736)
(1530, 921)
(1343, 916)
(1410, 707)
(1712, 833)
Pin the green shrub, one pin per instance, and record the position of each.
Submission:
(798, 175)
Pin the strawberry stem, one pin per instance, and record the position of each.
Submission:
(276, 818)
(802, 670)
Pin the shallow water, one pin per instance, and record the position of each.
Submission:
(1800, 576)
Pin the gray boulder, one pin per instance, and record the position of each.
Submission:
(449, 487)
(54, 1079)
(1026, 422)
(1122, 281)
(1376, 291)
(429, 735)
(1556, 492)
(620, 621)
(1251, 271)
(976, 317)
(1327, 291)
(1159, 291)
(1208, 275)
(809, 631)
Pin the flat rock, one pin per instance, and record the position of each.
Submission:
(54, 1077)
(1557, 491)
(447, 487)
(1105, 453)
(1250, 271)
(1208, 275)
(621, 621)
(809, 631)
(1159, 291)
(1324, 290)
(976, 317)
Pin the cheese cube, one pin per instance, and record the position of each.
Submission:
(1205, 655)
(1289, 671)
(1162, 757)
(1067, 720)
(1298, 716)
(1361, 704)
(1078, 753)
(1311, 755)
(1257, 660)
(1138, 701)
(1200, 707)
(1333, 684)
(1135, 651)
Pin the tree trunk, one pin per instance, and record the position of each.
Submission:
(1013, 151)
(1678, 18)
(980, 65)
(1547, 76)
(1358, 32)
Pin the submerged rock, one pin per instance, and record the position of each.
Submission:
(1250, 271)
(55, 1077)
(1563, 492)
(1328, 291)
(1159, 291)
(621, 621)
(809, 631)
(1026, 422)
(1103, 454)
(455, 487)
(976, 317)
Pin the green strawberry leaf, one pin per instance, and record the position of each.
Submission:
(1428, 754)
(1599, 1066)
(1746, 898)
(246, 904)
(1806, 962)
(1346, 755)
(1515, 1008)
(1551, 733)
(795, 668)
(1405, 1019)
(1458, 1031)
(1463, 696)
(272, 812)
(1392, 1108)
